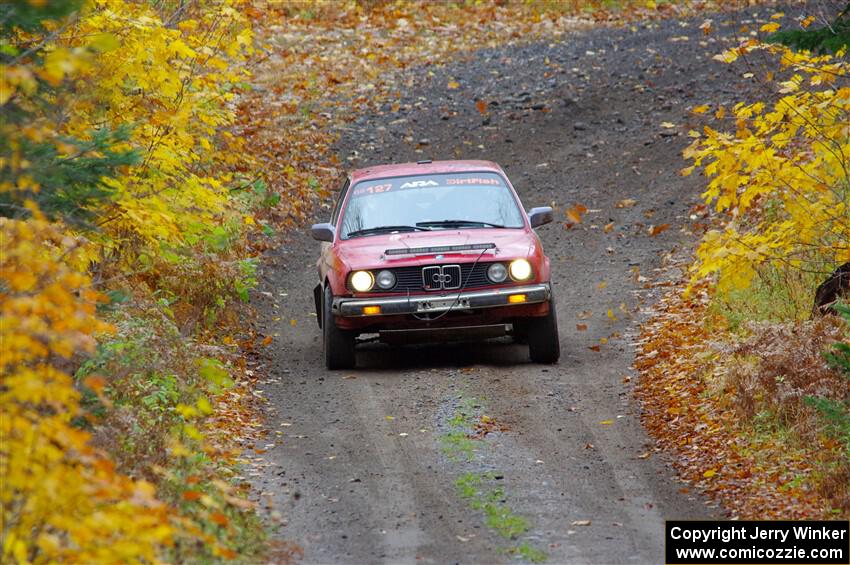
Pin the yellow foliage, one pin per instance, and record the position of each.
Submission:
(124, 67)
(61, 499)
(782, 176)
(114, 65)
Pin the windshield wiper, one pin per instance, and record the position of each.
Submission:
(458, 223)
(383, 229)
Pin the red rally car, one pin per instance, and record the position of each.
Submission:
(433, 251)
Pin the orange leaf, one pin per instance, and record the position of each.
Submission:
(655, 230)
(191, 495)
(267, 340)
(219, 518)
(95, 383)
(574, 213)
(481, 106)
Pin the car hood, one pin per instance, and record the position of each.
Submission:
(369, 252)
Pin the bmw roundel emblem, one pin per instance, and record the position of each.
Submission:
(439, 257)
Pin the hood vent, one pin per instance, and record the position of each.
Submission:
(440, 249)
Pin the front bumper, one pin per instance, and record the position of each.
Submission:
(427, 304)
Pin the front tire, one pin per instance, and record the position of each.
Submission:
(543, 343)
(338, 344)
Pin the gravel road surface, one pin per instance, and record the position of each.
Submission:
(360, 470)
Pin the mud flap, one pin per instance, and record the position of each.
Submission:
(317, 299)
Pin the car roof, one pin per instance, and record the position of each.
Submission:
(423, 168)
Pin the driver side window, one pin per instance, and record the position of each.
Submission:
(339, 201)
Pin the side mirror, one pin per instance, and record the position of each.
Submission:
(322, 232)
(540, 216)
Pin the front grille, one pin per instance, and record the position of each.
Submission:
(447, 277)
(410, 279)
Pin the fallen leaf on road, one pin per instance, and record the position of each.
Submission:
(668, 125)
(580, 523)
(626, 203)
(655, 230)
(581, 327)
(575, 213)
(453, 84)
(606, 422)
(710, 473)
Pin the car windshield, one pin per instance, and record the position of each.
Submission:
(430, 202)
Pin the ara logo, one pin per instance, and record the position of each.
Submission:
(418, 183)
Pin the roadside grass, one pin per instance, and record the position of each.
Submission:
(776, 295)
(767, 401)
(788, 382)
(153, 416)
(784, 378)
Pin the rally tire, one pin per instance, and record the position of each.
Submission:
(338, 344)
(543, 343)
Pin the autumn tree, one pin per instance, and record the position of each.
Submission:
(782, 177)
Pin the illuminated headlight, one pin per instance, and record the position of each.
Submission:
(520, 270)
(497, 273)
(385, 280)
(362, 281)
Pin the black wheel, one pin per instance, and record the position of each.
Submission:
(543, 344)
(338, 344)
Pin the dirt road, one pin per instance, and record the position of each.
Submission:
(365, 463)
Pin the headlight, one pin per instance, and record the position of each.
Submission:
(385, 279)
(520, 270)
(362, 281)
(497, 273)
